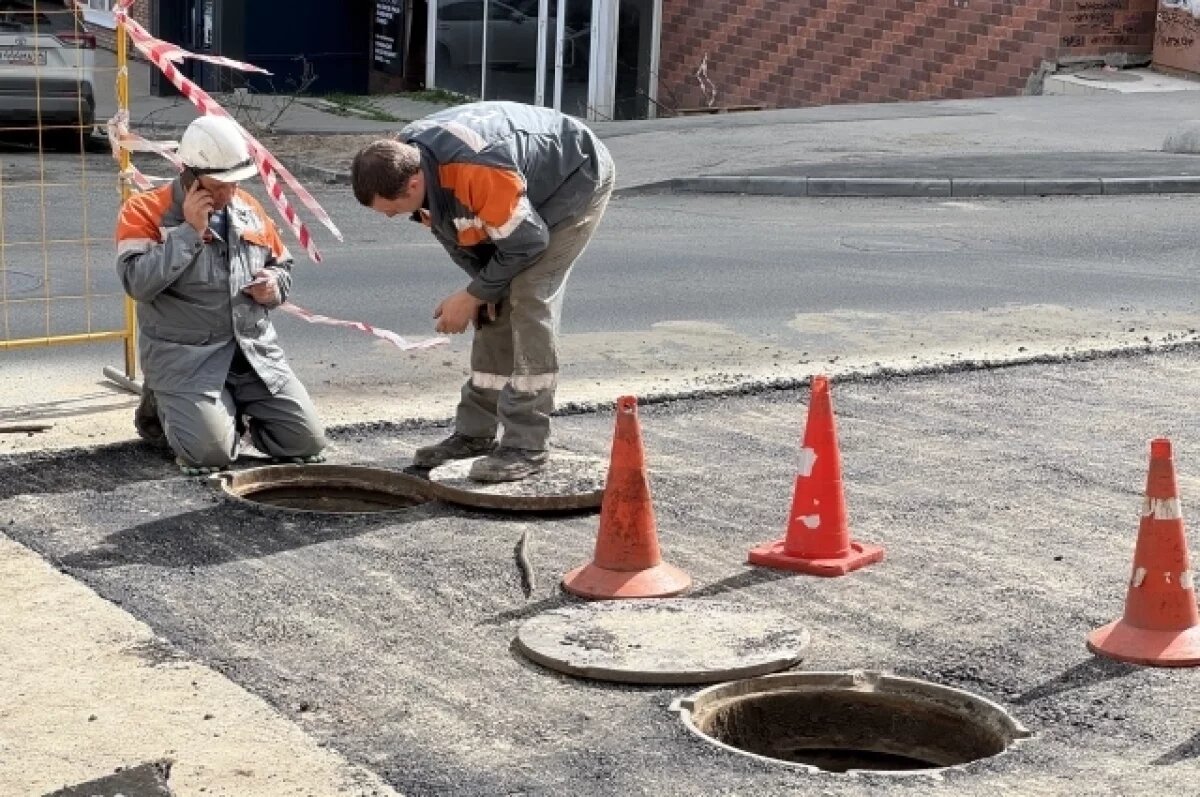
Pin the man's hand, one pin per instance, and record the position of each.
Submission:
(264, 288)
(455, 312)
(197, 207)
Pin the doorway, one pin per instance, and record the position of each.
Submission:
(543, 52)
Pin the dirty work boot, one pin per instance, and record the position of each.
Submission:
(145, 420)
(311, 459)
(509, 465)
(456, 446)
(197, 470)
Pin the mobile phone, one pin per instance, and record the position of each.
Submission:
(187, 178)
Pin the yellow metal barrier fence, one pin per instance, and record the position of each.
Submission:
(58, 283)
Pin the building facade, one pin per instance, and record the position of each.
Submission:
(605, 59)
(781, 53)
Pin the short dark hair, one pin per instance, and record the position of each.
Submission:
(382, 169)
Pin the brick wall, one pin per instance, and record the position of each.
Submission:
(1177, 41)
(790, 53)
(140, 11)
(1100, 27)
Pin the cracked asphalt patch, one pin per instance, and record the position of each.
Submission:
(1007, 500)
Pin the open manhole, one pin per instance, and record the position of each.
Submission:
(843, 721)
(335, 489)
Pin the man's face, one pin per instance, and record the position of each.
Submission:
(411, 199)
(222, 193)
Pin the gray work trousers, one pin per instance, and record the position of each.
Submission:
(514, 359)
(202, 430)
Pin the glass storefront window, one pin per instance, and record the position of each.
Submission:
(511, 30)
(459, 46)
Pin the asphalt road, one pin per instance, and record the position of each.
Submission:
(750, 264)
(754, 263)
(1007, 501)
(676, 294)
(387, 640)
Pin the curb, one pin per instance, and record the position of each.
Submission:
(871, 186)
(319, 174)
(919, 187)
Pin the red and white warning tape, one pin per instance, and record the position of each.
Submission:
(120, 137)
(164, 55)
(385, 334)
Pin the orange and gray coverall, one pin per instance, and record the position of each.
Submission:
(514, 194)
(209, 351)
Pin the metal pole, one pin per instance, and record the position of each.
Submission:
(483, 67)
(431, 28)
(560, 34)
(125, 162)
(539, 73)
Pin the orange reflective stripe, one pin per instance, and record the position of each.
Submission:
(278, 250)
(269, 237)
(255, 237)
(489, 192)
(471, 236)
(141, 215)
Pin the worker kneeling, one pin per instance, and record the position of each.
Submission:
(205, 264)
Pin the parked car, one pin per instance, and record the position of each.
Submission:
(512, 33)
(47, 67)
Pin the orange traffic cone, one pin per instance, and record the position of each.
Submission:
(1160, 625)
(818, 535)
(627, 562)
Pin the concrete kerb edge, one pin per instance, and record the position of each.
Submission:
(917, 187)
(1118, 186)
(740, 387)
(754, 387)
(320, 174)
(761, 185)
(878, 187)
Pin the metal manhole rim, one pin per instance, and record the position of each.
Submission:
(849, 681)
(225, 483)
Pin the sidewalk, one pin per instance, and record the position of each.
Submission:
(1107, 142)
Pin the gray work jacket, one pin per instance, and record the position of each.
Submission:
(192, 314)
(499, 178)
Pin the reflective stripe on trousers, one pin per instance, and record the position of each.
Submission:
(514, 359)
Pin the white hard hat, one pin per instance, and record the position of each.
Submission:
(213, 146)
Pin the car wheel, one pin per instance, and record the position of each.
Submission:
(73, 141)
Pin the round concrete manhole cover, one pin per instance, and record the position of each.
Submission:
(569, 482)
(18, 283)
(902, 244)
(662, 641)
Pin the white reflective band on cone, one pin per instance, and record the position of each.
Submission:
(1162, 509)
